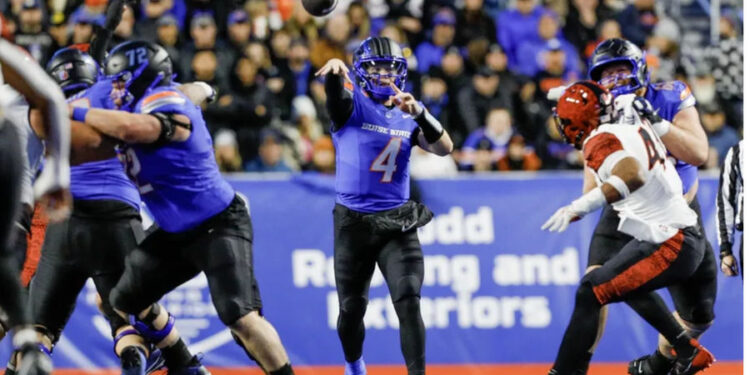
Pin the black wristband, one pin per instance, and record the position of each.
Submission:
(430, 126)
(167, 129)
(725, 249)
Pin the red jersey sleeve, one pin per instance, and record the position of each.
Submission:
(598, 148)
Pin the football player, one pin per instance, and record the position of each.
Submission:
(375, 125)
(635, 178)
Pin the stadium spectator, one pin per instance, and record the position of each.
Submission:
(332, 45)
(269, 157)
(204, 68)
(483, 157)
(31, 35)
(638, 20)
(498, 131)
(359, 21)
(238, 29)
(60, 33)
(608, 29)
(277, 78)
(474, 24)
(260, 19)
(531, 51)
(246, 108)
(583, 21)
(434, 94)
(324, 155)
(517, 25)
(318, 96)
(407, 16)
(307, 130)
(83, 25)
(726, 65)
(227, 151)
(431, 51)
(302, 24)
(475, 101)
(299, 64)
(153, 10)
(280, 43)
(168, 36)
(519, 156)
(720, 136)
(203, 33)
(663, 48)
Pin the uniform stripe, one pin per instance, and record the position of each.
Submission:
(599, 147)
(729, 198)
(148, 108)
(642, 271)
(159, 95)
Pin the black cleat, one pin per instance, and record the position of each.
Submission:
(653, 364)
(33, 361)
(699, 360)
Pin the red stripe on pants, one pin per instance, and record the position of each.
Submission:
(642, 271)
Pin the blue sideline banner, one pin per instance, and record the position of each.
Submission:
(496, 289)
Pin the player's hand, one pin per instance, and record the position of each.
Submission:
(729, 265)
(114, 14)
(57, 204)
(336, 67)
(646, 110)
(560, 220)
(405, 101)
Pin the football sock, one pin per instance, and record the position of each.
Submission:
(177, 355)
(284, 370)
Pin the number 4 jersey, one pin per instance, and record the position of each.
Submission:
(372, 156)
(656, 210)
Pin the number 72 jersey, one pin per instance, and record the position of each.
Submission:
(659, 202)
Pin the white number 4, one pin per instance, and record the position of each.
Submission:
(386, 161)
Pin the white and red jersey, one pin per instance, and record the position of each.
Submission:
(656, 210)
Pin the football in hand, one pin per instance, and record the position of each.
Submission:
(319, 8)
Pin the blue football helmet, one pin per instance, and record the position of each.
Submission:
(135, 68)
(73, 69)
(617, 50)
(379, 52)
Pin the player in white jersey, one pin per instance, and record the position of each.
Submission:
(634, 177)
(16, 110)
(24, 75)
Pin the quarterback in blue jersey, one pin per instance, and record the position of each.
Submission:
(375, 125)
(103, 228)
(203, 226)
(620, 66)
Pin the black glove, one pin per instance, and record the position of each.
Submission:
(646, 110)
(114, 14)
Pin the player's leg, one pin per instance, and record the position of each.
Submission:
(115, 238)
(12, 298)
(154, 268)
(225, 255)
(694, 301)
(20, 242)
(605, 243)
(353, 266)
(639, 268)
(58, 281)
(402, 264)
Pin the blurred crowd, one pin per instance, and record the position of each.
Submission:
(482, 67)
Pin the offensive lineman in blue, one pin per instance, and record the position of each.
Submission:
(103, 228)
(203, 226)
(375, 125)
(620, 66)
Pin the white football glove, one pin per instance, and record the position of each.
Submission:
(560, 221)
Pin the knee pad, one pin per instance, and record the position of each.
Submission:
(146, 328)
(407, 286)
(355, 305)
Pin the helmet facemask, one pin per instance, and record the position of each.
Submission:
(377, 84)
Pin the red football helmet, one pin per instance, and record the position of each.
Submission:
(582, 107)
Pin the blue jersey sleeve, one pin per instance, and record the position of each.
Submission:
(164, 100)
(674, 97)
(96, 96)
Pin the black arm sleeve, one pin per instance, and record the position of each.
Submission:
(103, 35)
(339, 101)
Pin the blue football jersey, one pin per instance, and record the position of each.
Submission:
(179, 181)
(668, 98)
(372, 156)
(103, 179)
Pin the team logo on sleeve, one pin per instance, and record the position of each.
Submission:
(685, 93)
